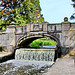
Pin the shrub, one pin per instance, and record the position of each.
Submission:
(0, 48)
(42, 42)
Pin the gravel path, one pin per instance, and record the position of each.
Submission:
(63, 66)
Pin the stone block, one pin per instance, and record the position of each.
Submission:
(45, 28)
(19, 30)
(72, 27)
(66, 26)
(32, 27)
(58, 27)
(66, 33)
(10, 29)
(28, 27)
(49, 28)
(36, 27)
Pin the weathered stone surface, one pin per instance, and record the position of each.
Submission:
(66, 26)
(45, 27)
(16, 34)
(63, 66)
(28, 27)
(58, 27)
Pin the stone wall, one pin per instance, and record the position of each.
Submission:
(64, 32)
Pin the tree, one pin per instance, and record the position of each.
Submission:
(26, 12)
(73, 15)
(20, 11)
(6, 12)
(8, 7)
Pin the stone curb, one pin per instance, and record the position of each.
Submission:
(6, 57)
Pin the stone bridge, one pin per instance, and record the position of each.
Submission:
(62, 33)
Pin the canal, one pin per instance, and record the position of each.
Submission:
(22, 67)
(36, 62)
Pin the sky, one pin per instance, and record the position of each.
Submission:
(54, 11)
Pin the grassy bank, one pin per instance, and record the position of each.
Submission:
(42, 42)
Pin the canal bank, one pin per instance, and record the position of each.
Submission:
(30, 62)
(4, 56)
(63, 66)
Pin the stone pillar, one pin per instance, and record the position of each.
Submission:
(45, 27)
(65, 38)
(28, 27)
(19, 29)
(74, 58)
(65, 34)
(40, 26)
(11, 30)
(32, 27)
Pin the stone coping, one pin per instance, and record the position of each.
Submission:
(36, 49)
(4, 56)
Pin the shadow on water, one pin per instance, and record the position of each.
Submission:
(8, 57)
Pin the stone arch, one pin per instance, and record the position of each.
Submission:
(26, 40)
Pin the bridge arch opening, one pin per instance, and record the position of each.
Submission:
(25, 42)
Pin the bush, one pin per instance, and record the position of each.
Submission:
(42, 42)
(0, 48)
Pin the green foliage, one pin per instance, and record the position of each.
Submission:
(4, 24)
(42, 42)
(73, 15)
(23, 12)
(7, 12)
(0, 48)
(26, 12)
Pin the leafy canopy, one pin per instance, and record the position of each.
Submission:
(73, 15)
(21, 12)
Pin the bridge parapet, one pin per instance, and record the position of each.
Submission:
(21, 29)
(55, 28)
(13, 34)
(37, 27)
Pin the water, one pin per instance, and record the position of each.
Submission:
(35, 54)
(28, 62)
(18, 67)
